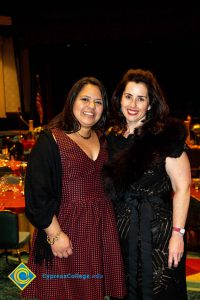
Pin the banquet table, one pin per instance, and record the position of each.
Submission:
(13, 166)
(13, 198)
(195, 193)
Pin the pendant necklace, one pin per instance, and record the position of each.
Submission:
(85, 137)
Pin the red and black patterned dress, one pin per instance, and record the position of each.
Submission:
(86, 215)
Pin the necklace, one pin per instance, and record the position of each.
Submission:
(85, 137)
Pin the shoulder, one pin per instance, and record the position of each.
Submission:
(173, 137)
(45, 136)
(45, 143)
(175, 129)
(174, 132)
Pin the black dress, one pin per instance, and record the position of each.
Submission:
(137, 182)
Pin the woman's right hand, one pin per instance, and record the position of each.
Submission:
(62, 248)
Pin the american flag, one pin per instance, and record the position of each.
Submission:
(39, 104)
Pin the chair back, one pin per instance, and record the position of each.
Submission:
(9, 230)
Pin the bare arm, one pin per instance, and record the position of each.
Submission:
(179, 172)
(62, 247)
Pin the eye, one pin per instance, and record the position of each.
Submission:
(141, 98)
(85, 99)
(98, 101)
(128, 97)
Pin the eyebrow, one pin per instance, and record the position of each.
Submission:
(91, 97)
(141, 96)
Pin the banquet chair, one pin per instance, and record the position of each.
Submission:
(10, 236)
(4, 171)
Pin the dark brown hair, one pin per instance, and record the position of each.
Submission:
(159, 108)
(66, 119)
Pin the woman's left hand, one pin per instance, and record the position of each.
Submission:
(176, 249)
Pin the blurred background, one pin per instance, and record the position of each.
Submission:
(45, 48)
(53, 46)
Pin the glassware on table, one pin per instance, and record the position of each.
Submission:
(196, 183)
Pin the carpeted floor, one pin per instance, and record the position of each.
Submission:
(9, 291)
(193, 274)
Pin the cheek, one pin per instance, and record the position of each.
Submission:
(75, 107)
(144, 107)
(122, 103)
(100, 110)
(123, 110)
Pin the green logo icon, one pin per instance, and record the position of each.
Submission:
(21, 276)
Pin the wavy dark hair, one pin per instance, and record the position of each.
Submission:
(159, 108)
(66, 119)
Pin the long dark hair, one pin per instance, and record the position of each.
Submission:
(159, 107)
(66, 119)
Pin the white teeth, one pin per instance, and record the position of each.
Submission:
(88, 113)
(132, 111)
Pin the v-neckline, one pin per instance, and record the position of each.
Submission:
(82, 151)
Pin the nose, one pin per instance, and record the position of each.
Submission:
(133, 102)
(92, 103)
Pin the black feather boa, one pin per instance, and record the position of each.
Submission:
(129, 165)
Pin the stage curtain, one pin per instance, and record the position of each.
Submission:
(9, 86)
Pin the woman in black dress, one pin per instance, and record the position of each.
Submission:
(148, 178)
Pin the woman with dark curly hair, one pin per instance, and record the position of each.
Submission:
(148, 179)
